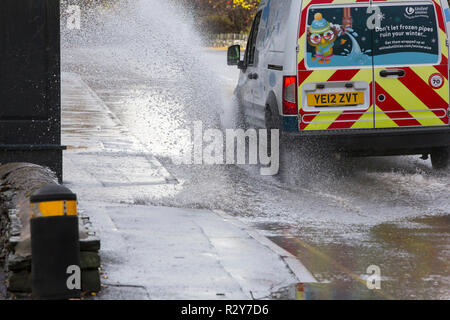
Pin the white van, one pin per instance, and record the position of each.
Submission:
(369, 76)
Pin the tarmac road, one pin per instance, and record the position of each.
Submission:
(339, 218)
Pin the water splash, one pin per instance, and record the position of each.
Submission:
(151, 42)
(357, 56)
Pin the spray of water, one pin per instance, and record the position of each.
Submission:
(148, 56)
(152, 42)
(150, 63)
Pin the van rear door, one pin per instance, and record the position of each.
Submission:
(335, 71)
(410, 65)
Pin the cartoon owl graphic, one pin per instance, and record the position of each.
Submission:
(322, 35)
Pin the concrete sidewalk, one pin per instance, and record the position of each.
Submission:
(157, 252)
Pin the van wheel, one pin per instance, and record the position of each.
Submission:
(440, 158)
(269, 124)
(241, 117)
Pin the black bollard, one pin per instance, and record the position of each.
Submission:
(55, 247)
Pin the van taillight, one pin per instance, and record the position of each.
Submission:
(290, 95)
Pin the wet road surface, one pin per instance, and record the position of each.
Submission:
(339, 218)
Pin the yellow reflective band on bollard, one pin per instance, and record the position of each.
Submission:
(300, 291)
(54, 208)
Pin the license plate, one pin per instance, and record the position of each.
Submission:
(335, 99)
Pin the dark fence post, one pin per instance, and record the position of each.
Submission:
(55, 245)
(30, 84)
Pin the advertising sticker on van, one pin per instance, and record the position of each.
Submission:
(338, 37)
(408, 35)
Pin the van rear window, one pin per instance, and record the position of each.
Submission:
(362, 35)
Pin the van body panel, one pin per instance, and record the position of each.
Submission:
(418, 97)
(412, 116)
(325, 71)
(275, 52)
(247, 83)
(380, 142)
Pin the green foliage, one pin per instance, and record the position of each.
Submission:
(218, 24)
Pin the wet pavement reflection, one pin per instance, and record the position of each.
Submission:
(413, 257)
(336, 290)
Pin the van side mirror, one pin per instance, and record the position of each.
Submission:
(241, 65)
(234, 55)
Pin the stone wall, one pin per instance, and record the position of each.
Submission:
(18, 181)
